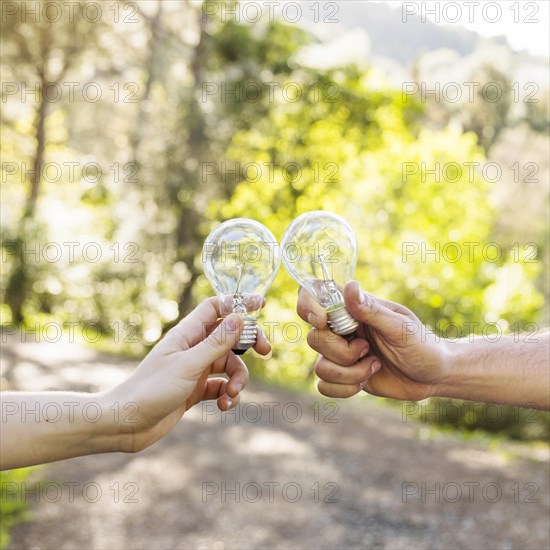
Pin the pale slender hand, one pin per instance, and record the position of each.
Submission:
(175, 374)
(170, 380)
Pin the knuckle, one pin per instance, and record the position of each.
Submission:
(215, 339)
(314, 339)
(339, 376)
(349, 390)
(355, 376)
(324, 389)
(302, 312)
(321, 368)
(301, 306)
(372, 305)
(348, 358)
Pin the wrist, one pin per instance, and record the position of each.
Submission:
(126, 423)
(453, 367)
(465, 378)
(107, 428)
(500, 371)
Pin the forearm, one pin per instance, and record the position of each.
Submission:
(47, 426)
(506, 371)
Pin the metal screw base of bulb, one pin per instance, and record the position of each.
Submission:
(248, 336)
(341, 322)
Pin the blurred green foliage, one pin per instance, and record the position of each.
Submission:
(514, 422)
(387, 210)
(13, 508)
(178, 160)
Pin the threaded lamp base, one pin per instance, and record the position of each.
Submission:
(248, 336)
(341, 322)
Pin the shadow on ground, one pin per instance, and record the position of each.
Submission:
(284, 470)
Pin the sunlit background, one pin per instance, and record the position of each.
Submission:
(143, 147)
(147, 130)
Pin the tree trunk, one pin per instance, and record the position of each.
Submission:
(18, 285)
(42, 114)
(188, 236)
(156, 31)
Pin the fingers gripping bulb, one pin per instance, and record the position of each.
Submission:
(320, 251)
(241, 258)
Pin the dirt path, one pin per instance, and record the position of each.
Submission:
(285, 471)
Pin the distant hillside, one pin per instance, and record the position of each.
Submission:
(375, 33)
(404, 42)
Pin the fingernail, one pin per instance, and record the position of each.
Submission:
(268, 356)
(231, 323)
(361, 296)
(229, 404)
(310, 318)
(238, 387)
(364, 352)
(376, 366)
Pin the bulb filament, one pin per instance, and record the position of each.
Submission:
(334, 295)
(238, 299)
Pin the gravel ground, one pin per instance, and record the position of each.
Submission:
(286, 470)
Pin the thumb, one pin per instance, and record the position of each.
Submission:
(216, 345)
(368, 309)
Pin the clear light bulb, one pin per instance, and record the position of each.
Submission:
(241, 258)
(319, 252)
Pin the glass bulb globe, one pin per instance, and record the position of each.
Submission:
(320, 252)
(241, 258)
